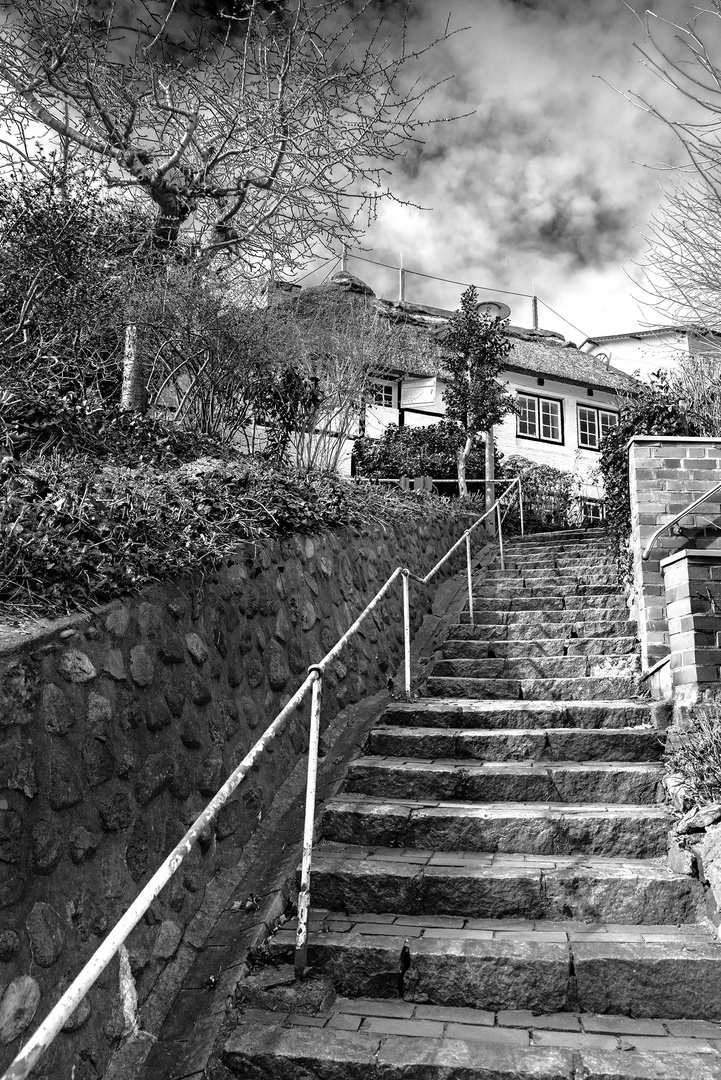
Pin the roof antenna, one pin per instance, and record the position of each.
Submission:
(344, 261)
(534, 306)
(401, 282)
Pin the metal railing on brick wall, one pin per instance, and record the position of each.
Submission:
(58, 1016)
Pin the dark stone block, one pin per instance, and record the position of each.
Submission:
(136, 854)
(200, 693)
(175, 700)
(46, 847)
(65, 788)
(82, 844)
(190, 734)
(211, 775)
(254, 670)
(99, 762)
(11, 828)
(13, 885)
(9, 946)
(153, 777)
(116, 811)
(171, 648)
(46, 932)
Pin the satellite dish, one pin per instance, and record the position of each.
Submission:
(495, 309)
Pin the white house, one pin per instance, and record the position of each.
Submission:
(647, 351)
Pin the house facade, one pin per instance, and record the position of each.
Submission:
(647, 351)
(567, 399)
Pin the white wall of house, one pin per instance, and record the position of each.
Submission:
(644, 355)
(424, 405)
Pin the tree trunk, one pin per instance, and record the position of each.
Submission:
(490, 471)
(132, 394)
(463, 453)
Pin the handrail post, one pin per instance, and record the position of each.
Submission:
(407, 633)
(301, 937)
(520, 503)
(470, 579)
(500, 535)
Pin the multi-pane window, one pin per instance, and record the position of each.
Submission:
(382, 394)
(539, 418)
(593, 424)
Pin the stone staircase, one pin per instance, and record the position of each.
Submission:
(491, 892)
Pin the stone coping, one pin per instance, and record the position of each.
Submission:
(696, 554)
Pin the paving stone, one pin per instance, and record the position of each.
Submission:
(621, 1025)
(504, 1036)
(524, 1018)
(380, 1025)
(454, 1015)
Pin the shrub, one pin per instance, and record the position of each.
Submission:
(549, 496)
(71, 536)
(694, 755)
(653, 409)
(417, 451)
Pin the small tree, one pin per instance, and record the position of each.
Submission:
(474, 352)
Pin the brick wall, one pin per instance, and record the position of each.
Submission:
(693, 607)
(667, 473)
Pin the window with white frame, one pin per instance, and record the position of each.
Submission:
(539, 418)
(382, 394)
(593, 425)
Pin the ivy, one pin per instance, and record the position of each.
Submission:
(652, 410)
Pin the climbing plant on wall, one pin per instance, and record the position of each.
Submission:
(653, 409)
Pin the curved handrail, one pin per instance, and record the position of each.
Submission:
(61, 1012)
(669, 524)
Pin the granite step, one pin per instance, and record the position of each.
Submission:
(622, 666)
(620, 973)
(551, 590)
(484, 630)
(584, 891)
(608, 830)
(528, 623)
(637, 783)
(493, 715)
(556, 647)
(598, 607)
(370, 1040)
(519, 744)
(588, 688)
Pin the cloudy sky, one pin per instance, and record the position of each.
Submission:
(550, 184)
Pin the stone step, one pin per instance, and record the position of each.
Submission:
(622, 666)
(494, 715)
(573, 603)
(519, 744)
(588, 688)
(480, 650)
(593, 572)
(531, 631)
(637, 783)
(612, 831)
(520, 624)
(674, 977)
(550, 591)
(555, 608)
(475, 887)
(368, 1039)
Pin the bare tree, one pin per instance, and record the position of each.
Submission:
(256, 133)
(682, 263)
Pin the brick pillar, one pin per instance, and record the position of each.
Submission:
(666, 473)
(693, 607)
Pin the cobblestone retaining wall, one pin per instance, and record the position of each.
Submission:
(116, 730)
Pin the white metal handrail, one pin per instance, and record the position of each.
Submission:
(672, 521)
(61, 1012)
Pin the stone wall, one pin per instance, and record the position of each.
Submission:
(117, 727)
(667, 473)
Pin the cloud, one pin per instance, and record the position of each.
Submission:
(552, 178)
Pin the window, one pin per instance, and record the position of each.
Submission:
(381, 393)
(539, 418)
(593, 425)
